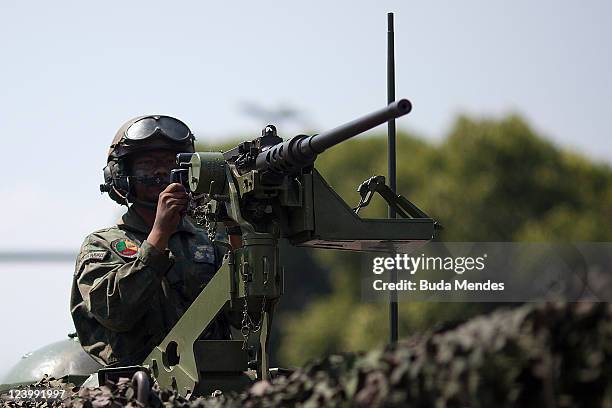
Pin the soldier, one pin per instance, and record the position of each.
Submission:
(133, 281)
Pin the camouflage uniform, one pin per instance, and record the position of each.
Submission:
(127, 295)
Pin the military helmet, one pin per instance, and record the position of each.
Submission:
(141, 134)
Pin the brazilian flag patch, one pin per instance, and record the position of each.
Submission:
(125, 248)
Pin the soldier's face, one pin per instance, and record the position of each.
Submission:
(155, 163)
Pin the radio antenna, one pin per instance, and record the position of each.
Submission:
(391, 170)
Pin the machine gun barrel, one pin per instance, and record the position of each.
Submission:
(327, 139)
(300, 151)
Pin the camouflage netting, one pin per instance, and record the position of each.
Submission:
(546, 356)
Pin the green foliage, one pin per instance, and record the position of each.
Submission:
(488, 180)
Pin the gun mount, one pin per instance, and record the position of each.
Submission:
(270, 189)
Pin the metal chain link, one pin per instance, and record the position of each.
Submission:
(211, 229)
(198, 212)
(248, 327)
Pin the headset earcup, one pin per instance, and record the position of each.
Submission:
(120, 176)
(115, 182)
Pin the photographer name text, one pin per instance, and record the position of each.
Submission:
(442, 285)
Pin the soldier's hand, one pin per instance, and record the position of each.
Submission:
(171, 204)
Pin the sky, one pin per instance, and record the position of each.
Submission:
(72, 72)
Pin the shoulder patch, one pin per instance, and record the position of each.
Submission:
(204, 253)
(125, 248)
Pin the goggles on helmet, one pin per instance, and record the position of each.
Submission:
(167, 126)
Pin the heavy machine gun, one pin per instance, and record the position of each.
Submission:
(270, 189)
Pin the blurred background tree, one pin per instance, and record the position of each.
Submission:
(488, 180)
